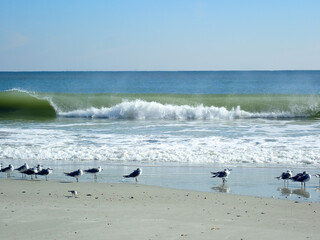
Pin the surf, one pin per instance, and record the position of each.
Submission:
(18, 103)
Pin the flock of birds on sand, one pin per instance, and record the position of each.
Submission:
(38, 170)
(286, 176)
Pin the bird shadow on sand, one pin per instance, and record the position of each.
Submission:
(65, 182)
(68, 196)
(27, 179)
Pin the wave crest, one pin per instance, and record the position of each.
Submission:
(19, 103)
(142, 110)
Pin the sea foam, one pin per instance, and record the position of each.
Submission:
(143, 110)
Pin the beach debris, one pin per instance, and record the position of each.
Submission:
(134, 174)
(222, 174)
(76, 174)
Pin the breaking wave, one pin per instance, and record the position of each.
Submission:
(22, 104)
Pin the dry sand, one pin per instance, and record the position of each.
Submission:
(46, 210)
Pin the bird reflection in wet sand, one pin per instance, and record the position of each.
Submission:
(299, 192)
(223, 188)
(286, 192)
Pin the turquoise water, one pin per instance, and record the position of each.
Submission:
(215, 82)
(179, 121)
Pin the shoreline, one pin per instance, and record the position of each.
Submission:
(122, 210)
(243, 181)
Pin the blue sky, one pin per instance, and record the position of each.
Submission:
(118, 35)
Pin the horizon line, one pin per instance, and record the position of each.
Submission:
(282, 70)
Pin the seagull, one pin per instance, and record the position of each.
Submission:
(222, 174)
(31, 172)
(75, 174)
(94, 171)
(285, 176)
(22, 168)
(73, 192)
(318, 176)
(301, 177)
(39, 168)
(8, 170)
(134, 174)
(45, 172)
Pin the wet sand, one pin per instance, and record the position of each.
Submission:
(46, 210)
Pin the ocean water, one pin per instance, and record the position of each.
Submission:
(163, 120)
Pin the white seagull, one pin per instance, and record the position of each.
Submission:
(302, 178)
(222, 174)
(22, 168)
(45, 172)
(75, 174)
(285, 176)
(73, 192)
(94, 171)
(134, 174)
(31, 172)
(8, 170)
(318, 176)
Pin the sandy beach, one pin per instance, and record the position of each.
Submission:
(46, 210)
